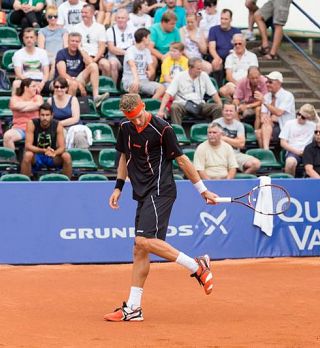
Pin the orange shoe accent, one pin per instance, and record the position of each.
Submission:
(204, 274)
(125, 314)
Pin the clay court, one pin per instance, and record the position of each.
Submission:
(256, 303)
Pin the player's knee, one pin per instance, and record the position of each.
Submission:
(66, 158)
(141, 245)
(28, 156)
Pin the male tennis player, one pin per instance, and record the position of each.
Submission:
(148, 145)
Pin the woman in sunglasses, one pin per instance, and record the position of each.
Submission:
(52, 38)
(66, 109)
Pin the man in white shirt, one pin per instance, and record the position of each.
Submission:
(278, 107)
(69, 13)
(93, 38)
(294, 137)
(192, 85)
(30, 62)
(138, 67)
(237, 65)
(119, 38)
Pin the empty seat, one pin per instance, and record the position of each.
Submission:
(110, 109)
(199, 132)
(9, 38)
(93, 177)
(266, 157)
(245, 176)
(102, 133)
(106, 84)
(14, 177)
(180, 133)
(107, 159)
(281, 176)
(54, 177)
(5, 112)
(251, 138)
(8, 159)
(152, 105)
(6, 62)
(92, 114)
(82, 159)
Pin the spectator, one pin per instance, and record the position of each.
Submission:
(44, 145)
(138, 68)
(66, 109)
(214, 158)
(220, 43)
(209, 17)
(174, 63)
(153, 5)
(171, 5)
(237, 65)
(78, 68)
(162, 35)
(30, 62)
(294, 137)
(27, 13)
(69, 13)
(311, 156)
(25, 106)
(194, 41)
(119, 38)
(140, 18)
(252, 7)
(52, 38)
(234, 135)
(191, 85)
(248, 107)
(278, 106)
(310, 110)
(93, 38)
(279, 10)
(98, 9)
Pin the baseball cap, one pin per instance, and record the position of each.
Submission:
(275, 75)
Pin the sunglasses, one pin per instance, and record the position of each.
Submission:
(302, 117)
(317, 132)
(52, 16)
(59, 87)
(237, 44)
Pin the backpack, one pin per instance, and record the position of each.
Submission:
(4, 80)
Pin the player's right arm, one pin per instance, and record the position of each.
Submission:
(121, 177)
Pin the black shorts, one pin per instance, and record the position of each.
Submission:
(152, 217)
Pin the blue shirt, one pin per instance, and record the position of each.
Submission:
(179, 11)
(223, 39)
(74, 64)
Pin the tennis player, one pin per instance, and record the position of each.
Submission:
(148, 145)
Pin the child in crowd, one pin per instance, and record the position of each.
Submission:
(139, 18)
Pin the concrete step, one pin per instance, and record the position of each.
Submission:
(314, 101)
(302, 93)
(286, 72)
(292, 82)
(273, 64)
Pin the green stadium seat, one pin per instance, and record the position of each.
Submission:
(281, 176)
(266, 157)
(6, 61)
(245, 176)
(189, 153)
(9, 38)
(105, 136)
(251, 138)
(152, 105)
(107, 159)
(178, 177)
(199, 133)
(180, 133)
(93, 114)
(54, 177)
(5, 112)
(93, 177)
(110, 109)
(14, 177)
(106, 84)
(215, 83)
(8, 159)
(82, 159)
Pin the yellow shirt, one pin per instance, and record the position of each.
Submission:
(171, 67)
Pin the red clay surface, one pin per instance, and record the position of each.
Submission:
(255, 303)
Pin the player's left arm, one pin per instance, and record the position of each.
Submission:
(121, 177)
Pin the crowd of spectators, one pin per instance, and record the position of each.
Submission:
(186, 54)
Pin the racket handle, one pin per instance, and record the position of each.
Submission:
(223, 199)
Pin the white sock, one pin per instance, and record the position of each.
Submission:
(135, 296)
(187, 262)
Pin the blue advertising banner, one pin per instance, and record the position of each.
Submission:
(71, 222)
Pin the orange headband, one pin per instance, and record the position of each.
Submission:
(134, 112)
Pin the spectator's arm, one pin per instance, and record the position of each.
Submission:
(65, 39)
(101, 50)
(231, 173)
(164, 102)
(237, 142)
(311, 172)
(229, 76)
(17, 5)
(29, 139)
(203, 175)
(216, 98)
(39, 7)
(18, 73)
(62, 70)
(41, 41)
(24, 106)
(86, 58)
(115, 50)
(75, 114)
(155, 52)
(60, 141)
(285, 145)
(213, 51)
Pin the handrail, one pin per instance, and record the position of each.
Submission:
(306, 14)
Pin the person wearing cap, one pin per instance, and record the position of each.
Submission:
(278, 107)
(311, 156)
(294, 137)
(147, 146)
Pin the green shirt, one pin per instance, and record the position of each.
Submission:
(33, 2)
(162, 39)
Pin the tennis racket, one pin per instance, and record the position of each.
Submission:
(267, 199)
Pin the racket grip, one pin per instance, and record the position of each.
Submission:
(223, 199)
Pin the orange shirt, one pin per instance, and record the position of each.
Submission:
(21, 118)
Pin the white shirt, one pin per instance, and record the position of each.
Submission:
(124, 39)
(298, 135)
(91, 36)
(240, 65)
(142, 59)
(69, 15)
(208, 21)
(183, 84)
(144, 21)
(31, 64)
(284, 101)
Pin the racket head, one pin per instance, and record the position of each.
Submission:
(269, 199)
